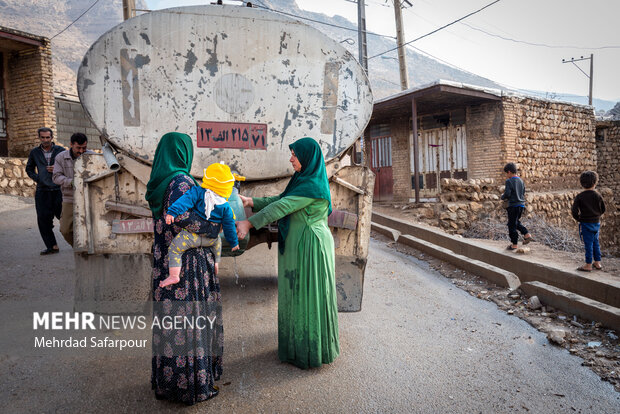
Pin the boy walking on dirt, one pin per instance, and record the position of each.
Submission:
(514, 193)
(588, 207)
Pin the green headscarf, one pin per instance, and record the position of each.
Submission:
(310, 182)
(173, 156)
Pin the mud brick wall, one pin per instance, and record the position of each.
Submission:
(13, 178)
(554, 142)
(71, 118)
(485, 143)
(401, 164)
(608, 155)
(29, 97)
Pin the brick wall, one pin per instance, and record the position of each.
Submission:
(608, 155)
(485, 145)
(30, 97)
(401, 164)
(71, 118)
(554, 142)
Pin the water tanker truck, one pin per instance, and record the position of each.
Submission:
(243, 83)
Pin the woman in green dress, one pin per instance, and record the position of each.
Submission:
(307, 308)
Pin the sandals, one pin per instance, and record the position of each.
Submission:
(583, 269)
(511, 248)
(528, 240)
(599, 267)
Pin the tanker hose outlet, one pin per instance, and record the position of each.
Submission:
(110, 158)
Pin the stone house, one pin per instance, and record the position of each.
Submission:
(26, 90)
(469, 132)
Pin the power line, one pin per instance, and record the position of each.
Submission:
(262, 6)
(537, 44)
(438, 29)
(79, 17)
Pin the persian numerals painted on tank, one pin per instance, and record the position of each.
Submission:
(232, 135)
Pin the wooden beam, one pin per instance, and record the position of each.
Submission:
(20, 39)
(128, 208)
(348, 185)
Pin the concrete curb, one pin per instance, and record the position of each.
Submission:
(386, 231)
(580, 305)
(598, 288)
(494, 274)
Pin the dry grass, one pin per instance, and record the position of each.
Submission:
(556, 238)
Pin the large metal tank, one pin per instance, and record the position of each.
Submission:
(242, 82)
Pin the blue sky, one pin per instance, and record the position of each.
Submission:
(584, 27)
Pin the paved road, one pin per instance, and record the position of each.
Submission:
(419, 345)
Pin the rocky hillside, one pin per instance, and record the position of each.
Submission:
(49, 17)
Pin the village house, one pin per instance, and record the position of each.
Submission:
(469, 132)
(465, 136)
(26, 90)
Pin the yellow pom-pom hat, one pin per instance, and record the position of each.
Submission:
(219, 179)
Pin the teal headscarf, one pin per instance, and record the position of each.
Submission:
(310, 182)
(173, 156)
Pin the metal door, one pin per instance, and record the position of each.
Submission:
(443, 154)
(381, 165)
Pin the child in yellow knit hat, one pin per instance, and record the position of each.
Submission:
(210, 202)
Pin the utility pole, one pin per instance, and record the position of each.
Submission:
(402, 52)
(591, 76)
(361, 34)
(129, 9)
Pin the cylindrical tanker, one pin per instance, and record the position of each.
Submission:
(242, 82)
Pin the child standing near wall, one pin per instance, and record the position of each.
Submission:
(588, 207)
(514, 194)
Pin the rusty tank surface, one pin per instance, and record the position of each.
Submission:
(244, 84)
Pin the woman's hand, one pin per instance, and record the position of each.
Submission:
(247, 201)
(243, 227)
(169, 219)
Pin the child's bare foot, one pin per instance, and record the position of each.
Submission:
(173, 277)
(217, 268)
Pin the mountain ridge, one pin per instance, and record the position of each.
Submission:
(48, 17)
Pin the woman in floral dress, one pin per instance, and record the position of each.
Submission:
(187, 360)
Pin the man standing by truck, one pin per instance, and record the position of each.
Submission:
(63, 176)
(47, 198)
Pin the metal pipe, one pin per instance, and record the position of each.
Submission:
(109, 157)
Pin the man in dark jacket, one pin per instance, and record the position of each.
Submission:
(47, 198)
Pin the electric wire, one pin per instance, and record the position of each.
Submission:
(538, 44)
(79, 17)
(262, 6)
(436, 30)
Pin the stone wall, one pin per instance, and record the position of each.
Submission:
(13, 178)
(71, 118)
(555, 142)
(462, 202)
(29, 97)
(608, 154)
